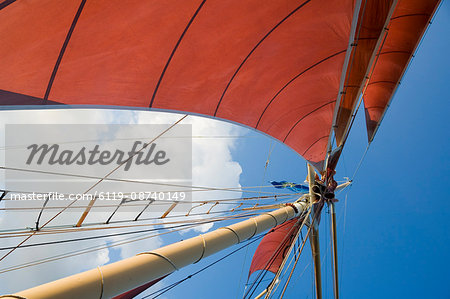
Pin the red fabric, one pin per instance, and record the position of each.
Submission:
(134, 292)
(266, 64)
(271, 65)
(32, 34)
(372, 19)
(406, 28)
(271, 251)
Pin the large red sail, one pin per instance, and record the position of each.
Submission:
(277, 66)
(271, 65)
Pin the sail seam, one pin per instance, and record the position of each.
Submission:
(374, 107)
(276, 221)
(394, 52)
(63, 50)
(6, 3)
(314, 144)
(293, 79)
(410, 15)
(305, 116)
(256, 228)
(173, 52)
(382, 81)
(425, 29)
(254, 49)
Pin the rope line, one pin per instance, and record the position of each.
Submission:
(201, 188)
(89, 189)
(298, 255)
(164, 227)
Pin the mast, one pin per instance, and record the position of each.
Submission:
(315, 251)
(113, 279)
(334, 249)
(314, 237)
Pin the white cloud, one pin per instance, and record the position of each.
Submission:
(213, 166)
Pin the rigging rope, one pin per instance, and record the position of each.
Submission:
(65, 229)
(271, 146)
(361, 161)
(164, 226)
(89, 249)
(343, 243)
(167, 288)
(201, 188)
(299, 254)
(93, 186)
(269, 263)
(291, 247)
(117, 243)
(144, 203)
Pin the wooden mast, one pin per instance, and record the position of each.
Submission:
(314, 237)
(334, 249)
(113, 279)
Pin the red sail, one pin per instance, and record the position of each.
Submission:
(405, 30)
(271, 65)
(272, 249)
(275, 66)
(373, 18)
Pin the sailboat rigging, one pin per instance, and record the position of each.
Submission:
(296, 71)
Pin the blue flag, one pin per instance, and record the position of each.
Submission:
(291, 186)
